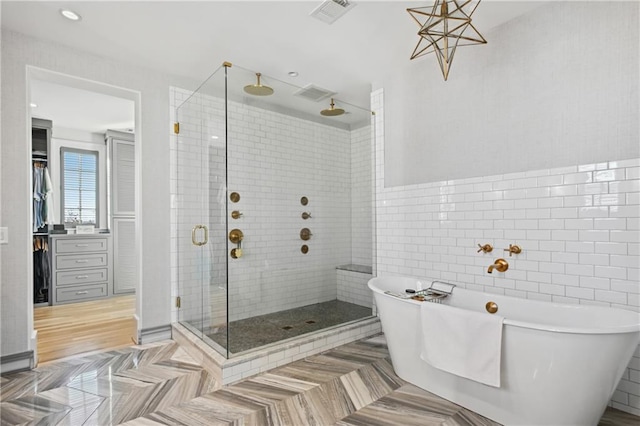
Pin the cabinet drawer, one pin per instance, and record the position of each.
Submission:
(81, 276)
(81, 292)
(81, 245)
(81, 261)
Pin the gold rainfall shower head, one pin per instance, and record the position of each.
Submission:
(258, 89)
(332, 111)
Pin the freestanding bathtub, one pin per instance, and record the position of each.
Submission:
(560, 363)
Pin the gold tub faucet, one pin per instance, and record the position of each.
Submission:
(500, 265)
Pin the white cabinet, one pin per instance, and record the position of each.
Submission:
(123, 178)
(124, 256)
(82, 267)
(123, 211)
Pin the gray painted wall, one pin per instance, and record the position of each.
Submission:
(557, 86)
(18, 51)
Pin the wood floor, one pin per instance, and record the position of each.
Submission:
(160, 384)
(66, 330)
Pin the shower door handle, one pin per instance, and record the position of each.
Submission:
(193, 235)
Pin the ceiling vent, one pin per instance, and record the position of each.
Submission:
(313, 93)
(330, 10)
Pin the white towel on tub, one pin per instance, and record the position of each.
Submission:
(462, 342)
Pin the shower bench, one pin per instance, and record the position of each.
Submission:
(352, 284)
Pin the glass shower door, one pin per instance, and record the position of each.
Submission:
(200, 206)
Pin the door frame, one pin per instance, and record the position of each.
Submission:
(42, 74)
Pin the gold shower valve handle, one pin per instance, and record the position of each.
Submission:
(236, 253)
(305, 234)
(306, 215)
(236, 236)
(513, 249)
(236, 214)
(487, 248)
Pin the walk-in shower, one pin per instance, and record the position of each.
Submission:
(271, 199)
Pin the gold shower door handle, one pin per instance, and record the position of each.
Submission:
(193, 235)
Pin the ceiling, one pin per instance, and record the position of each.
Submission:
(192, 39)
(79, 109)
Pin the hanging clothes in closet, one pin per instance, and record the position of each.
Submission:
(43, 211)
(41, 269)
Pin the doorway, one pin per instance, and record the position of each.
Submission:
(86, 247)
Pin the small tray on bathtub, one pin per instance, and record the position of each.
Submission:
(421, 296)
(437, 291)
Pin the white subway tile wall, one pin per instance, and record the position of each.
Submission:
(577, 227)
(275, 160)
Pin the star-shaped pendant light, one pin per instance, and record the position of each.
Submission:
(443, 27)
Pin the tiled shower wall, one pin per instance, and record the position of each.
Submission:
(361, 196)
(273, 161)
(578, 227)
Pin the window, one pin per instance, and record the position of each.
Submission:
(79, 169)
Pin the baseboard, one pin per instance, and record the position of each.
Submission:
(16, 362)
(154, 334)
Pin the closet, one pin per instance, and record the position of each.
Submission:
(43, 208)
(69, 266)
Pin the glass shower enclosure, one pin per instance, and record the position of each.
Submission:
(270, 197)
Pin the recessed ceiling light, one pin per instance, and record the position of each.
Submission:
(32, 105)
(214, 137)
(70, 14)
(293, 73)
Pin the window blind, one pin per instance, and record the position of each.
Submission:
(80, 186)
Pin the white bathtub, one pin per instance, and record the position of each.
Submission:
(560, 363)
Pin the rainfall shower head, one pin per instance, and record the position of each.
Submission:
(332, 111)
(258, 89)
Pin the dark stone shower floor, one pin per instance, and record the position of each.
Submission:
(262, 330)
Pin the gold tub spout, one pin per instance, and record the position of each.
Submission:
(500, 265)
